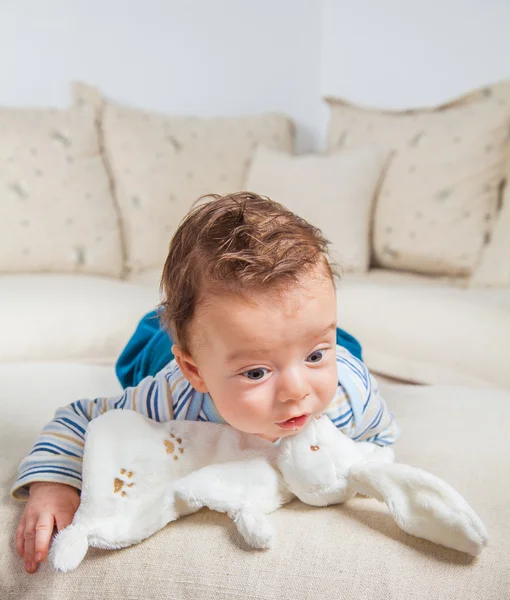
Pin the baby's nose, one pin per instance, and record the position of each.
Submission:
(293, 395)
(289, 398)
(293, 386)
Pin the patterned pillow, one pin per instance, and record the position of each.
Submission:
(493, 270)
(56, 210)
(161, 164)
(437, 203)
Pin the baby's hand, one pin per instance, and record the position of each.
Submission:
(49, 504)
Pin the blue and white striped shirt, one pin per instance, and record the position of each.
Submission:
(357, 410)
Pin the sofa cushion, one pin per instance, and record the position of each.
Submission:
(69, 317)
(335, 193)
(426, 330)
(56, 210)
(438, 200)
(324, 553)
(161, 164)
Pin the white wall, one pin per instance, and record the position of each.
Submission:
(207, 57)
(231, 57)
(405, 53)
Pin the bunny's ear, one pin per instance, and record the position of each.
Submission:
(422, 505)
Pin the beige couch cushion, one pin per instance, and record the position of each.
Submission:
(56, 210)
(335, 193)
(161, 164)
(426, 330)
(68, 317)
(349, 552)
(438, 200)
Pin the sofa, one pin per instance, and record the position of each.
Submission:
(417, 209)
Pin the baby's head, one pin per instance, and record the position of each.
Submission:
(249, 300)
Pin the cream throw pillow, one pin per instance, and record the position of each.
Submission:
(56, 210)
(335, 193)
(161, 164)
(439, 197)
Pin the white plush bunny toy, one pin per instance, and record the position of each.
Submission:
(138, 475)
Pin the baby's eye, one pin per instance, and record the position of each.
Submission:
(255, 374)
(317, 356)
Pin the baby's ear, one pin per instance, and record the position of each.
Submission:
(189, 369)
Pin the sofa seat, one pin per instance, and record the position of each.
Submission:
(429, 330)
(77, 318)
(350, 552)
(413, 328)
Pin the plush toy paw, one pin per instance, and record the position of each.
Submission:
(69, 548)
(245, 491)
(254, 527)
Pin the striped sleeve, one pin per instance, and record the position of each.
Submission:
(358, 409)
(57, 455)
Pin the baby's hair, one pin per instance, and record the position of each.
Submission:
(236, 243)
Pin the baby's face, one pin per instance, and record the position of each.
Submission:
(269, 361)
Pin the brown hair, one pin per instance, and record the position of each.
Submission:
(235, 243)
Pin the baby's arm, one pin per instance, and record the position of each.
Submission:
(58, 452)
(50, 476)
(359, 411)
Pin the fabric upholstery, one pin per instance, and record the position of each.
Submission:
(320, 553)
(427, 331)
(67, 317)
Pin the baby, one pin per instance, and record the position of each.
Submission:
(249, 301)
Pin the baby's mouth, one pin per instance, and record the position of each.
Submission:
(294, 423)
